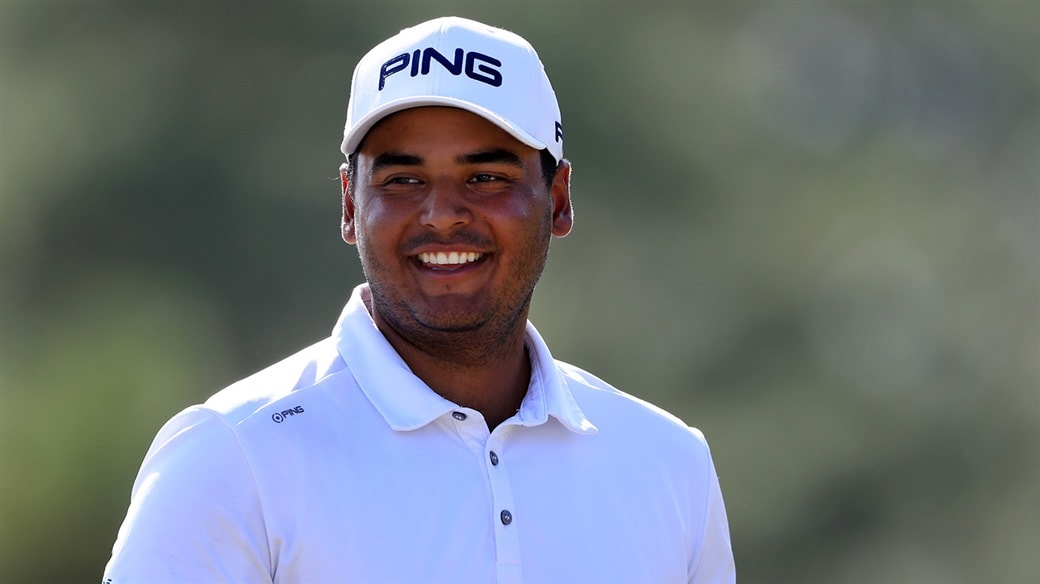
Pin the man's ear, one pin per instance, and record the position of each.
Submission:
(563, 212)
(347, 225)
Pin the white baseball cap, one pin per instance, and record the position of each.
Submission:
(460, 63)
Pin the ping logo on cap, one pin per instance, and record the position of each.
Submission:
(476, 66)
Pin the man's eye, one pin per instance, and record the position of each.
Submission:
(485, 177)
(401, 180)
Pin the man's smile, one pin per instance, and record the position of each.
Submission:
(452, 258)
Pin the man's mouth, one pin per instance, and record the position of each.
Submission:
(451, 258)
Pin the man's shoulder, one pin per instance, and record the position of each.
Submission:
(606, 404)
(286, 380)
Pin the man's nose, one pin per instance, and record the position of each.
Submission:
(445, 207)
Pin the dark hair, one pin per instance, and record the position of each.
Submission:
(549, 165)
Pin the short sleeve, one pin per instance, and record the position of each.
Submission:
(714, 563)
(195, 514)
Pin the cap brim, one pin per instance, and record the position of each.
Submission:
(353, 138)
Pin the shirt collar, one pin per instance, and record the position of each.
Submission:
(407, 403)
(548, 394)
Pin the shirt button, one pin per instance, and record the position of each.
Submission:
(494, 458)
(458, 416)
(506, 517)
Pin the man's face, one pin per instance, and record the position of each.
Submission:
(452, 218)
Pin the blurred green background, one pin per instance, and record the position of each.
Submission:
(810, 229)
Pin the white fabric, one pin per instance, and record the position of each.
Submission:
(485, 70)
(339, 465)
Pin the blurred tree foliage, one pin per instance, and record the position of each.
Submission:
(810, 229)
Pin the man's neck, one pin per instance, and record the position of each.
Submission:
(494, 382)
(495, 389)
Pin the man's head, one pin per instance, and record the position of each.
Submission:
(455, 182)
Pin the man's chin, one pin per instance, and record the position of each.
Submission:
(451, 320)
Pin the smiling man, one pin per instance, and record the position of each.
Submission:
(452, 218)
(433, 437)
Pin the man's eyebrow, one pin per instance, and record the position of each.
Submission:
(498, 155)
(395, 159)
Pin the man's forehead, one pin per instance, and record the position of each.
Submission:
(491, 156)
(426, 131)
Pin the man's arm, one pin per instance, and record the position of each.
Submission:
(714, 563)
(195, 515)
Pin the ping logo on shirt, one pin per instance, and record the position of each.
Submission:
(476, 66)
(279, 417)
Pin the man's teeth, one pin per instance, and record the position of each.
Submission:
(442, 258)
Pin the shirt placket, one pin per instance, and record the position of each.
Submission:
(474, 433)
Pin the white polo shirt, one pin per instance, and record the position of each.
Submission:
(339, 465)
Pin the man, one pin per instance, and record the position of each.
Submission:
(433, 437)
